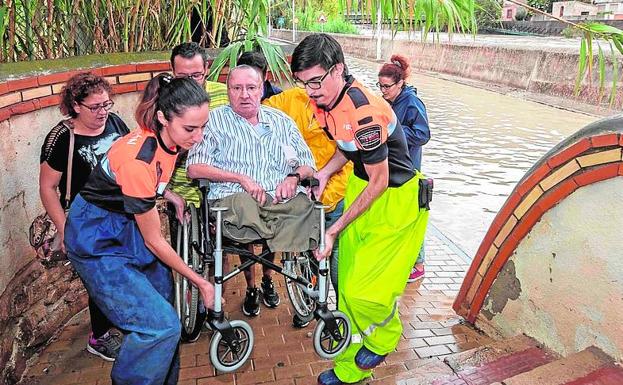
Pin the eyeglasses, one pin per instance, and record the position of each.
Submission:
(198, 76)
(251, 89)
(314, 84)
(96, 108)
(385, 86)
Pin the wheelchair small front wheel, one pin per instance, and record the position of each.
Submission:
(228, 357)
(325, 344)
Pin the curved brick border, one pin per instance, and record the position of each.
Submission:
(588, 159)
(33, 93)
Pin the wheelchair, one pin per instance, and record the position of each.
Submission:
(188, 305)
(202, 247)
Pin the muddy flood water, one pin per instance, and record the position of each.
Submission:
(482, 144)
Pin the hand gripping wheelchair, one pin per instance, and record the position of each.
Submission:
(200, 244)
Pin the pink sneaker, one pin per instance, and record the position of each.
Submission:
(415, 275)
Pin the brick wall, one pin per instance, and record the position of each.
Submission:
(26, 95)
(545, 266)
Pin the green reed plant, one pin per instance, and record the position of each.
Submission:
(49, 29)
(335, 24)
(246, 26)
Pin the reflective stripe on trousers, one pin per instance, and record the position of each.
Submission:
(377, 252)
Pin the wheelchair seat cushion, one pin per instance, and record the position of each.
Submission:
(290, 226)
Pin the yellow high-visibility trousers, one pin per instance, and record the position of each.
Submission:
(377, 251)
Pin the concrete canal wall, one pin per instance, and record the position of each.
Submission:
(528, 68)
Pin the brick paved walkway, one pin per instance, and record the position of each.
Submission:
(283, 355)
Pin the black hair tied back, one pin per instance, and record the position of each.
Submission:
(169, 95)
(165, 80)
(177, 94)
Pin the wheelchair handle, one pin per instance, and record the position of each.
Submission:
(204, 185)
(310, 182)
(203, 182)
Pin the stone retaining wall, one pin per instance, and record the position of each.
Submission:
(551, 73)
(548, 27)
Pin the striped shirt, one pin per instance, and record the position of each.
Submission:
(266, 153)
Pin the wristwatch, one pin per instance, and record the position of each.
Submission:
(296, 175)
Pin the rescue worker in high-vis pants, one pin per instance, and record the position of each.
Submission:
(383, 226)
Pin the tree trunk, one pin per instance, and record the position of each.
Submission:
(379, 30)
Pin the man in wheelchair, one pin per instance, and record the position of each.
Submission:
(255, 157)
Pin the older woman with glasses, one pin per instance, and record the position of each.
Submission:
(86, 102)
(411, 113)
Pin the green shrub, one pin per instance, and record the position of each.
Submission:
(308, 21)
(543, 5)
(487, 13)
(335, 24)
(570, 32)
(521, 14)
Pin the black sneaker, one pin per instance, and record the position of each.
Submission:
(106, 347)
(270, 296)
(298, 323)
(251, 305)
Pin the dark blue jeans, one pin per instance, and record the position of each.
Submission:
(131, 287)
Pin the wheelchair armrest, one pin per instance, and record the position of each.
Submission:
(203, 183)
(310, 182)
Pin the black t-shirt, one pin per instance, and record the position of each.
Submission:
(88, 150)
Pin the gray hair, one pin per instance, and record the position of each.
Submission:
(242, 67)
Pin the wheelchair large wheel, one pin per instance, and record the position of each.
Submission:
(305, 266)
(226, 358)
(192, 313)
(325, 344)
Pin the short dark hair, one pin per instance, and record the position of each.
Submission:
(317, 49)
(170, 95)
(80, 87)
(254, 59)
(189, 51)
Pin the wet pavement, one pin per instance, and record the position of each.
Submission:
(284, 355)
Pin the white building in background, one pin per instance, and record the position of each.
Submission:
(610, 9)
(575, 10)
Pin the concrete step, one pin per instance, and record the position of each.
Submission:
(422, 373)
(608, 375)
(490, 352)
(483, 365)
(564, 370)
